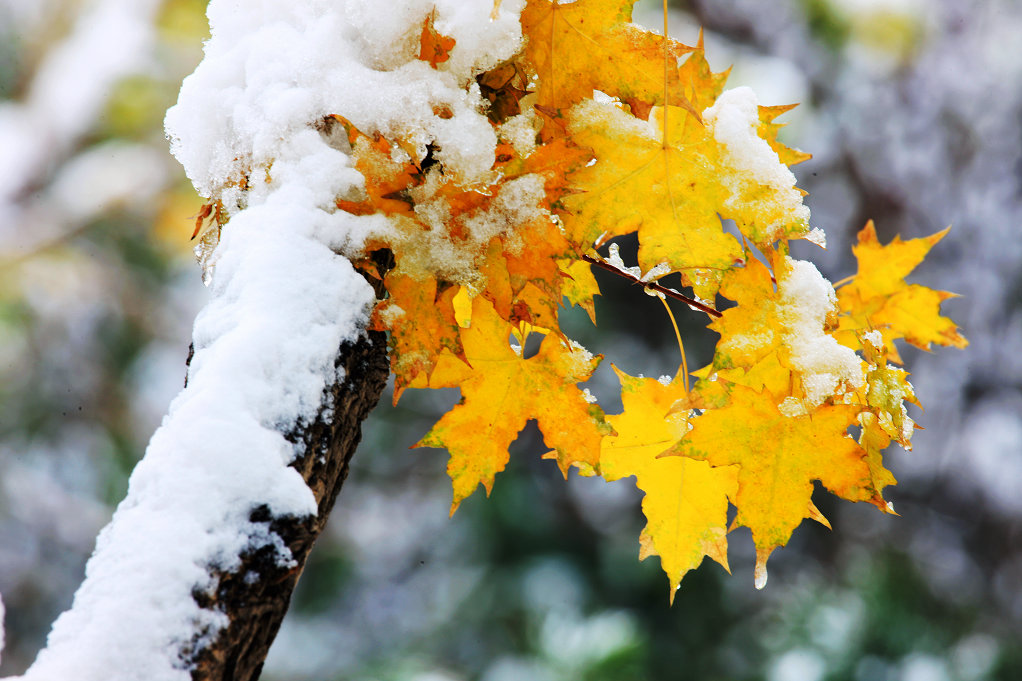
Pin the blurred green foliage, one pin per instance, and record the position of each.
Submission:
(826, 23)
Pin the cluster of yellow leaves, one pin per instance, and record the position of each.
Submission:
(622, 143)
(622, 147)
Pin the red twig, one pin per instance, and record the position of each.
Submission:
(653, 286)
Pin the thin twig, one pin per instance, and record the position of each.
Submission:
(653, 286)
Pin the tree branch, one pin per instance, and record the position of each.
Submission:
(653, 286)
(194, 573)
(256, 596)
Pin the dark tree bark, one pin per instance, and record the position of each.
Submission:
(257, 595)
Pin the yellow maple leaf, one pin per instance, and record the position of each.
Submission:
(887, 389)
(884, 394)
(700, 85)
(769, 129)
(767, 374)
(581, 287)
(501, 391)
(780, 457)
(672, 180)
(874, 439)
(879, 298)
(749, 332)
(685, 500)
(670, 193)
(592, 45)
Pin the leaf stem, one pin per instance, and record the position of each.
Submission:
(846, 280)
(653, 286)
(681, 344)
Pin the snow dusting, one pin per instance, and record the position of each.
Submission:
(658, 270)
(805, 300)
(734, 119)
(577, 363)
(520, 132)
(875, 338)
(792, 407)
(614, 260)
(817, 236)
(283, 295)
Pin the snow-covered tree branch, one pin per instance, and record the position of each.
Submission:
(192, 576)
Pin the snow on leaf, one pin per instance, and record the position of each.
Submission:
(763, 200)
(790, 323)
(669, 193)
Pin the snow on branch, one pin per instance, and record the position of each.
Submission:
(283, 300)
(261, 361)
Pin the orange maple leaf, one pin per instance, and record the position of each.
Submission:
(386, 180)
(434, 47)
(420, 317)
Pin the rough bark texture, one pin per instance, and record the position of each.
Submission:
(256, 596)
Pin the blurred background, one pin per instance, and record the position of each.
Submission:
(913, 111)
